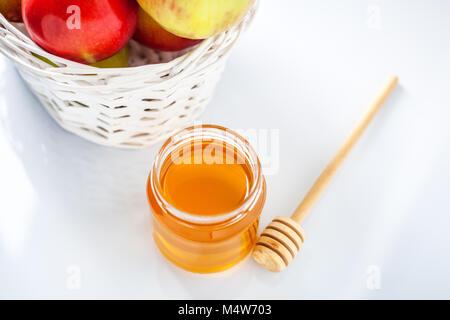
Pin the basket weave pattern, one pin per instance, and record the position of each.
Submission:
(128, 107)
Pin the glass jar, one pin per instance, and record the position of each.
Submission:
(204, 242)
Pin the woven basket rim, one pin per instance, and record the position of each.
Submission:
(30, 45)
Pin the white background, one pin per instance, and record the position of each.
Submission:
(306, 68)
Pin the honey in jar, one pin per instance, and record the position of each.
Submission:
(206, 191)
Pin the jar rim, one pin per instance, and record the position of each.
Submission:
(220, 134)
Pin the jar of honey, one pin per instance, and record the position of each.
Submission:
(206, 191)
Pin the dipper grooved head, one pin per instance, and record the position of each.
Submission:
(279, 244)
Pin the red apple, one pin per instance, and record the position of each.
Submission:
(11, 10)
(151, 34)
(85, 31)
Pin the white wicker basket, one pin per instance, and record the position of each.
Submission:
(129, 107)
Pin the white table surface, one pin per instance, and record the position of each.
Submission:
(71, 210)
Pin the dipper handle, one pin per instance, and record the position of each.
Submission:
(332, 167)
(283, 237)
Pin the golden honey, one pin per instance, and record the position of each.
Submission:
(206, 192)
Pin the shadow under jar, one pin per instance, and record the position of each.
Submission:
(206, 191)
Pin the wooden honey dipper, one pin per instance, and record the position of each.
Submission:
(283, 238)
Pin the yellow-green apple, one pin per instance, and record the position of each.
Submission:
(45, 60)
(119, 60)
(196, 19)
(80, 30)
(151, 34)
(11, 10)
